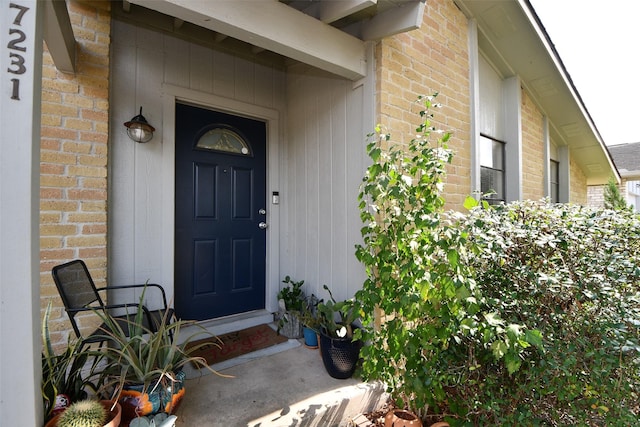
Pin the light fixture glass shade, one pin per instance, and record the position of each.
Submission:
(138, 129)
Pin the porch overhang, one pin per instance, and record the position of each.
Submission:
(274, 26)
(514, 40)
(329, 35)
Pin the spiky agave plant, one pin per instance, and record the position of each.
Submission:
(85, 413)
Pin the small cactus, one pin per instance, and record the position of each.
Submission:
(85, 413)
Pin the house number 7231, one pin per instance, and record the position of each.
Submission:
(17, 37)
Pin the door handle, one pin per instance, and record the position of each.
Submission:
(262, 225)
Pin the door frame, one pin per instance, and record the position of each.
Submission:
(170, 95)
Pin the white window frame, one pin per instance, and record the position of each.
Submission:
(509, 125)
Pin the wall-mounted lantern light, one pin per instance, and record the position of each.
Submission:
(138, 129)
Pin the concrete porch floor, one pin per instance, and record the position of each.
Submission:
(286, 389)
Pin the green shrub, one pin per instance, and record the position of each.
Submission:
(522, 314)
(573, 273)
(436, 330)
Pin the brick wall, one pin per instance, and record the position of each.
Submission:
(578, 186)
(533, 158)
(595, 196)
(434, 58)
(73, 186)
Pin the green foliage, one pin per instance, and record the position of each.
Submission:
(612, 197)
(519, 314)
(146, 357)
(292, 294)
(436, 330)
(336, 318)
(292, 302)
(572, 273)
(85, 413)
(310, 316)
(68, 372)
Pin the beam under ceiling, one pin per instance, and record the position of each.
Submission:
(331, 11)
(58, 34)
(394, 21)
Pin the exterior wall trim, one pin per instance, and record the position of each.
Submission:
(546, 179)
(474, 95)
(513, 136)
(564, 172)
(20, 364)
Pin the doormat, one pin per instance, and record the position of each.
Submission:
(234, 344)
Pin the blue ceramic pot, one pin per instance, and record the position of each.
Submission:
(310, 337)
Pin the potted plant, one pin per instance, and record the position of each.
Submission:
(145, 367)
(291, 300)
(65, 376)
(340, 351)
(310, 322)
(89, 413)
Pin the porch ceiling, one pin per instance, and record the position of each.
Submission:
(329, 35)
(513, 39)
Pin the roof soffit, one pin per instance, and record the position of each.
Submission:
(510, 37)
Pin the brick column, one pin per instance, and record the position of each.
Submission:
(73, 187)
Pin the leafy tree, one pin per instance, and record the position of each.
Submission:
(613, 199)
(431, 326)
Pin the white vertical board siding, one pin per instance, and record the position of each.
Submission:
(326, 158)
(122, 159)
(142, 62)
(491, 101)
(147, 195)
(359, 110)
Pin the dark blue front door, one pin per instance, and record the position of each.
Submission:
(220, 248)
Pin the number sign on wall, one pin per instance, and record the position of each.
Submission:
(14, 48)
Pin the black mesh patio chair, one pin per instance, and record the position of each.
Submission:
(79, 294)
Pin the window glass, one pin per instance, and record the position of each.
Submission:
(224, 140)
(492, 169)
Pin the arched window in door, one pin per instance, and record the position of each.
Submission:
(225, 140)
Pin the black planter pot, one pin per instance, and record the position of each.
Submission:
(339, 355)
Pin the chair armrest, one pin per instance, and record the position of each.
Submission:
(145, 285)
(139, 307)
(108, 307)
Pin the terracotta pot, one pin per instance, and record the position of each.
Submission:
(401, 418)
(113, 416)
(440, 424)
